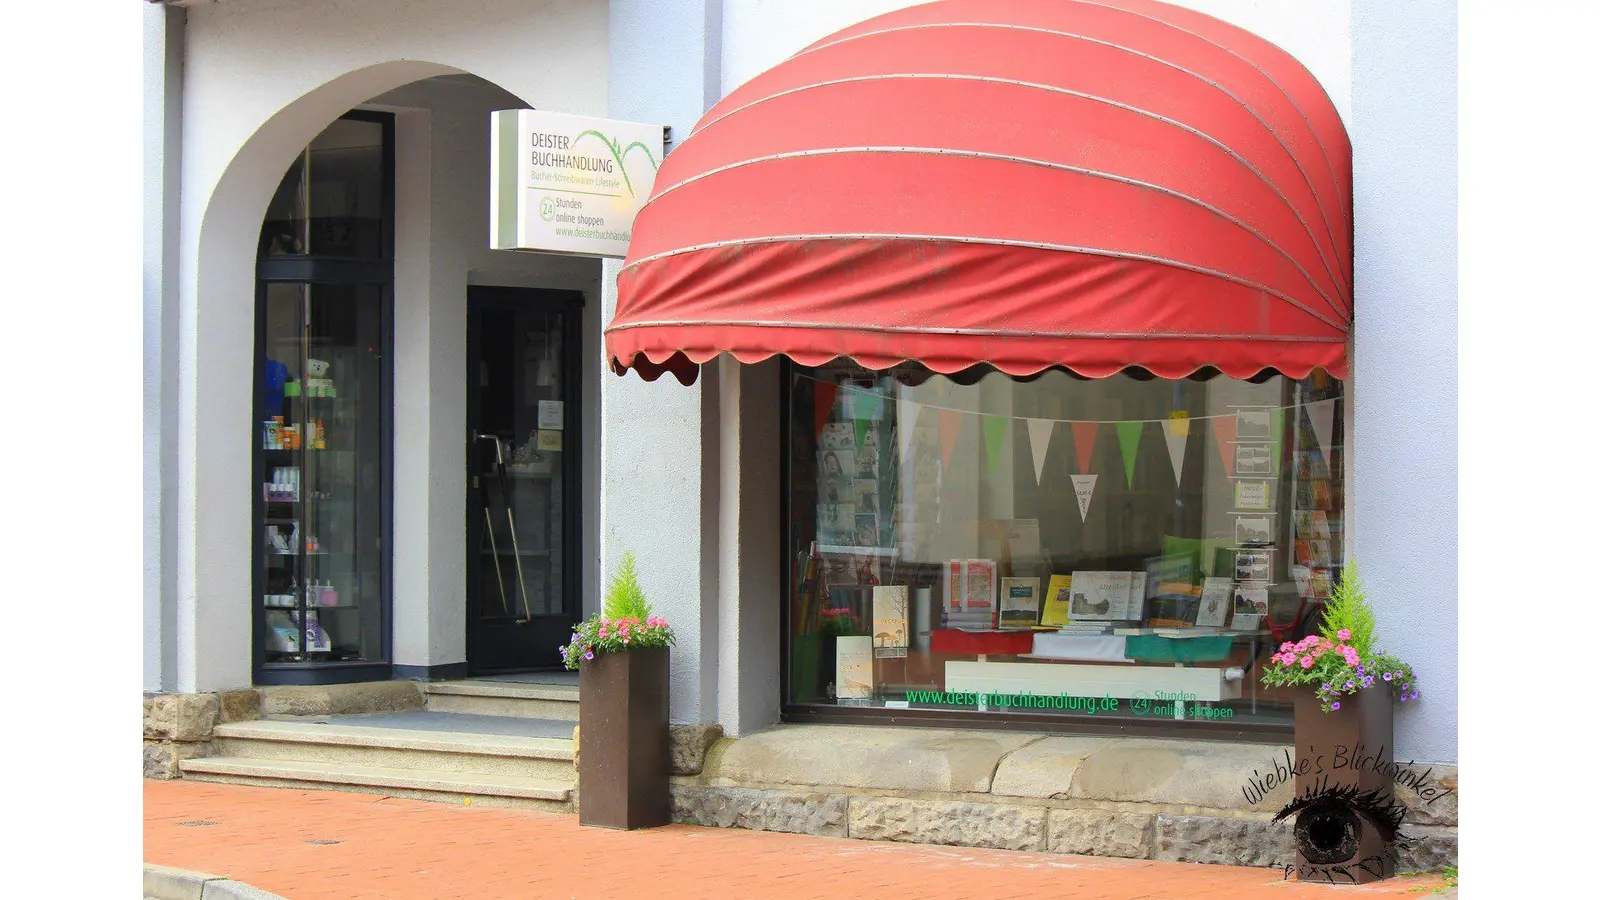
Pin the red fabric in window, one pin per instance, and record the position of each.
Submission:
(997, 643)
(1021, 183)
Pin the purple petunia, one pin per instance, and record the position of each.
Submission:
(1335, 705)
(589, 655)
(1388, 676)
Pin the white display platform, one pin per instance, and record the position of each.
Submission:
(1202, 683)
(1081, 647)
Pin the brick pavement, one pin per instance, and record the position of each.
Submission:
(306, 845)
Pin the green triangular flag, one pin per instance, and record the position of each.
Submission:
(861, 432)
(1277, 425)
(994, 435)
(1128, 434)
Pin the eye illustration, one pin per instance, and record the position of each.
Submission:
(1341, 830)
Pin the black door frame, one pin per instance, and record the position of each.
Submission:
(570, 304)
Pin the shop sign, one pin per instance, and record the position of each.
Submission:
(560, 183)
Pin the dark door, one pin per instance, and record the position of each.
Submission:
(524, 369)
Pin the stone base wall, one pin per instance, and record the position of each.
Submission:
(179, 726)
(1132, 798)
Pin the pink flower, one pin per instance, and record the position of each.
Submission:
(1289, 659)
(603, 627)
(1286, 646)
(1305, 662)
(1344, 634)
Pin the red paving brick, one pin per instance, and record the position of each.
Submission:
(400, 849)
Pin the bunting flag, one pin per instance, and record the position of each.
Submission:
(1128, 438)
(1083, 442)
(1321, 415)
(949, 430)
(908, 436)
(1083, 486)
(1224, 429)
(1039, 433)
(861, 433)
(1176, 431)
(994, 436)
(826, 393)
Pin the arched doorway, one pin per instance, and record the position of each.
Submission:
(438, 231)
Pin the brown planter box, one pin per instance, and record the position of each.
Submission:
(1351, 746)
(626, 760)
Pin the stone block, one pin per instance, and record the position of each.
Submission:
(1045, 768)
(341, 699)
(882, 758)
(761, 810)
(1430, 849)
(161, 758)
(1182, 773)
(180, 717)
(1232, 842)
(689, 746)
(954, 823)
(240, 706)
(1102, 832)
(1433, 800)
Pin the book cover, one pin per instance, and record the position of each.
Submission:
(980, 584)
(955, 580)
(1214, 597)
(853, 667)
(1019, 602)
(890, 607)
(1057, 602)
(1101, 595)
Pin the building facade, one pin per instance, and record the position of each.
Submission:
(379, 451)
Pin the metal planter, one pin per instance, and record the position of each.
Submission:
(625, 760)
(1349, 751)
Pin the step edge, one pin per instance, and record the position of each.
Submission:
(460, 742)
(375, 776)
(510, 690)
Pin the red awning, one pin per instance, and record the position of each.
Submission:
(1018, 183)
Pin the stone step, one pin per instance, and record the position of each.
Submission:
(550, 795)
(504, 698)
(430, 743)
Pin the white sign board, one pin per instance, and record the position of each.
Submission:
(568, 184)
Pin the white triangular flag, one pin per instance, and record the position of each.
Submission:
(1039, 432)
(1083, 486)
(1177, 434)
(1321, 415)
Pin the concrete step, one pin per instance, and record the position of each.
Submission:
(420, 742)
(550, 795)
(504, 698)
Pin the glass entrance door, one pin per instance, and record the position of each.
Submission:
(522, 465)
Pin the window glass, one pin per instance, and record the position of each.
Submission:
(1123, 547)
(331, 200)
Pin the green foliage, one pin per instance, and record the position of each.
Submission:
(624, 597)
(1348, 610)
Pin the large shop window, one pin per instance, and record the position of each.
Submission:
(1107, 551)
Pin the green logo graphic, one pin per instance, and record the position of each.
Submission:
(620, 153)
(547, 209)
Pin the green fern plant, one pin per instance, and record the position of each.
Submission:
(624, 598)
(1348, 611)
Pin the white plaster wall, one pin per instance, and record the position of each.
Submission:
(442, 216)
(162, 94)
(1405, 438)
(657, 437)
(261, 79)
(758, 34)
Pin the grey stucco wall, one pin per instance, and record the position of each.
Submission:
(1405, 399)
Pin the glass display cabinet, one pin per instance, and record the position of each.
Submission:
(323, 411)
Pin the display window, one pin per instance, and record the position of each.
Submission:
(1026, 549)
